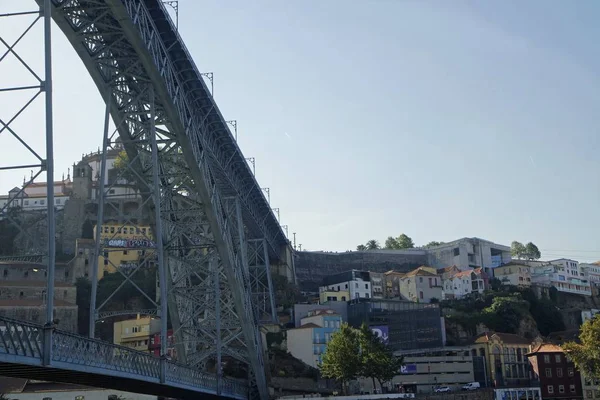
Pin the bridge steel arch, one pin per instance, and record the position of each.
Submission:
(207, 203)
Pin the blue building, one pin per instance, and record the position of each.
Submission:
(309, 341)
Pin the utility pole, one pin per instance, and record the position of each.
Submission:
(294, 240)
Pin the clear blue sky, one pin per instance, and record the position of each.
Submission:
(371, 118)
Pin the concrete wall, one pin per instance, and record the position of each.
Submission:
(312, 267)
(300, 345)
(67, 294)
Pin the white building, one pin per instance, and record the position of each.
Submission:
(469, 253)
(588, 314)
(421, 285)
(592, 271)
(33, 197)
(357, 283)
(563, 274)
(465, 282)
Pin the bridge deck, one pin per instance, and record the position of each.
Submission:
(76, 359)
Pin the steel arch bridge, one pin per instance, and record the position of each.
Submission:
(215, 235)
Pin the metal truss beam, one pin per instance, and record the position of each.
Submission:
(11, 211)
(163, 132)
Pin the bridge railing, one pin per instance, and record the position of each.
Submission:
(19, 338)
(26, 339)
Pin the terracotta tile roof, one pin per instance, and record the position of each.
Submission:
(546, 348)
(419, 272)
(32, 303)
(446, 269)
(309, 325)
(508, 338)
(31, 283)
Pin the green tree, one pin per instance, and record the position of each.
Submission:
(532, 252)
(405, 242)
(286, 294)
(505, 314)
(342, 359)
(517, 249)
(122, 169)
(433, 243)
(361, 247)
(391, 243)
(586, 355)
(372, 245)
(377, 360)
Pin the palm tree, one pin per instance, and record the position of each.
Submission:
(372, 244)
(361, 247)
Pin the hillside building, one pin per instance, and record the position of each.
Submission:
(356, 283)
(309, 341)
(464, 283)
(558, 377)
(136, 333)
(469, 253)
(514, 273)
(421, 285)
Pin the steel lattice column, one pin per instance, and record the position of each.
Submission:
(260, 280)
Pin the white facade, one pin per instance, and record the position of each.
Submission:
(592, 271)
(469, 253)
(357, 288)
(463, 283)
(33, 197)
(563, 274)
(420, 285)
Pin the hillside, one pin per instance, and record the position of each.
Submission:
(509, 309)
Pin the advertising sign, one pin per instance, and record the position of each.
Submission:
(129, 243)
(408, 369)
(381, 332)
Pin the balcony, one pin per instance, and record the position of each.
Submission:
(575, 291)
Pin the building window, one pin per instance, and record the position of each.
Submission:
(572, 388)
(421, 295)
(26, 274)
(547, 358)
(561, 388)
(356, 285)
(366, 285)
(550, 389)
(5, 273)
(65, 294)
(559, 372)
(57, 201)
(456, 251)
(112, 229)
(557, 358)
(548, 372)
(42, 202)
(570, 371)
(26, 202)
(79, 397)
(124, 252)
(20, 295)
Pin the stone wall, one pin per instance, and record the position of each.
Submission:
(67, 294)
(312, 267)
(67, 315)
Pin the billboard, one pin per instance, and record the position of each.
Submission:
(408, 369)
(381, 332)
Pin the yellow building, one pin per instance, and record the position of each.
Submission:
(125, 246)
(332, 295)
(135, 333)
(514, 273)
(506, 363)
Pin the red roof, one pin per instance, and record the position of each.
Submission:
(546, 348)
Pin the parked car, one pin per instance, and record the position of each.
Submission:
(471, 386)
(442, 389)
